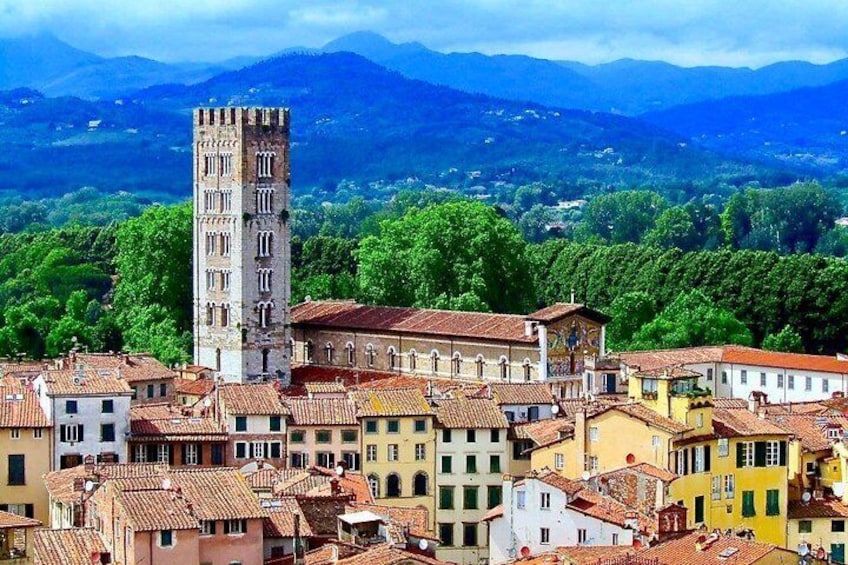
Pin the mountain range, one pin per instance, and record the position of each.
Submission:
(371, 111)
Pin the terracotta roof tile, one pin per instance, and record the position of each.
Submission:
(302, 374)
(199, 387)
(93, 383)
(325, 387)
(331, 553)
(218, 494)
(261, 479)
(405, 402)
(658, 358)
(650, 417)
(9, 520)
(668, 373)
(470, 413)
(560, 310)
(811, 430)
(521, 393)
(316, 481)
(348, 314)
(180, 428)
(593, 553)
(67, 547)
(321, 411)
(495, 512)
(280, 522)
(681, 551)
(545, 432)
(414, 519)
(322, 512)
(150, 510)
(60, 484)
(251, 399)
(826, 508)
(19, 406)
(132, 367)
(385, 554)
(735, 422)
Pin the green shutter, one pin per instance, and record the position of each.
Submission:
(772, 502)
(759, 454)
(707, 458)
(748, 504)
(782, 453)
(740, 455)
(446, 498)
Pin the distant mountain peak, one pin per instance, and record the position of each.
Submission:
(372, 46)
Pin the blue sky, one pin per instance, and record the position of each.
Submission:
(720, 32)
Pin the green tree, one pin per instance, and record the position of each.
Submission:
(629, 313)
(621, 217)
(674, 228)
(786, 339)
(432, 257)
(691, 319)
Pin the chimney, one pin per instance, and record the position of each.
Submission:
(756, 400)
(334, 486)
(79, 484)
(126, 359)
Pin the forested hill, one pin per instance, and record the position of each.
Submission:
(352, 120)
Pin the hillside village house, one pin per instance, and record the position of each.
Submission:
(551, 345)
(178, 436)
(323, 432)
(733, 371)
(150, 379)
(25, 438)
(89, 410)
(255, 420)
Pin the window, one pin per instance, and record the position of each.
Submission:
(593, 463)
(743, 377)
(326, 459)
(494, 463)
(837, 526)
(264, 243)
(559, 461)
(582, 535)
(593, 434)
(351, 460)
(393, 426)
(503, 368)
(420, 452)
(446, 498)
(70, 407)
(447, 464)
(234, 527)
(412, 358)
(699, 420)
(107, 432)
(699, 462)
(469, 498)
(241, 423)
(370, 426)
(419, 484)
(263, 280)
(493, 496)
(699, 509)
(745, 454)
(808, 383)
(656, 442)
(166, 538)
(374, 485)
(17, 470)
(349, 436)
(420, 426)
(544, 536)
(470, 464)
(480, 364)
(15, 433)
(446, 435)
(762, 379)
(369, 355)
(495, 436)
(264, 163)
(791, 382)
(772, 502)
(392, 452)
(191, 454)
(163, 453)
(37, 433)
(723, 447)
(297, 436)
(309, 352)
(323, 436)
(446, 534)
(257, 450)
(457, 363)
(520, 499)
(724, 377)
(715, 491)
(729, 486)
(471, 436)
(615, 539)
(825, 385)
(526, 368)
(217, 454)
(150, 390)
(299, 460)
(748, 504)
(469, 535)
(779, 380)
(351, 354)
(275, 423)
(772, 453)
(264, 201)
(805, 526)
(371, 452)
(545, 501)
(207, 527)
(107, 406)
(71, 433)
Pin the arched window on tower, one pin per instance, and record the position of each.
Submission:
(290, 349)
(527, 366)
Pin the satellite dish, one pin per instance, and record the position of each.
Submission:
(586, 475)
(422, 544)
(89, 486)
(803, 549)
(340, 472)
(207, 402)
(555, 409)
(806, 497)
(838, 489)
(166, 484)
(525, 551)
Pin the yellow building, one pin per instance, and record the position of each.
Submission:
(820, 525)
(398, 446)
(25, 449)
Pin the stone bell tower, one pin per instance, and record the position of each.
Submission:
(242, 255)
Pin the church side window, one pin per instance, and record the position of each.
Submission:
(210, 279)
(265, 276)
(211, 243)
(265, 164)
(264, 201)
(227, 201)
(225, 315)
(210, 164)
(264, 241)
(226, 164)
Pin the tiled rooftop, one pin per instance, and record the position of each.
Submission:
(199, 387)
(60, 484)
(349, 314)
(67, 547)
(132, 367)
(280, 522)
(520, 393)
(150, 510)
(321, 411)
(218, 494)
(251, 399)
(332, 387)
(406, 402)
(9, 520)
(811, 429)
(463, 412)
(653, 418)
(544, 432)
(92, 383)
(682, 551)
(735, 422)
(385, 554)
(825, 508)
(19, 407)
(562, 309)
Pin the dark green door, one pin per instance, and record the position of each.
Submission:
(699, 509)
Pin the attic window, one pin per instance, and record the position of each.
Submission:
(834, 433)
(727, 553)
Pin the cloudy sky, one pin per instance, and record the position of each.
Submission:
(685, 32)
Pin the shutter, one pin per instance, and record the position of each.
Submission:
(170, 455)
(267, 451)
(151, 452)
(226, 526)
(4, 507)
(782, 453)
(740, 456)
(29, 510)
(62, 434)
(692, 460)
(760, 454)
(200, 454)
(685, 453)
(81, 433)
(707, 458)
(184, 454)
